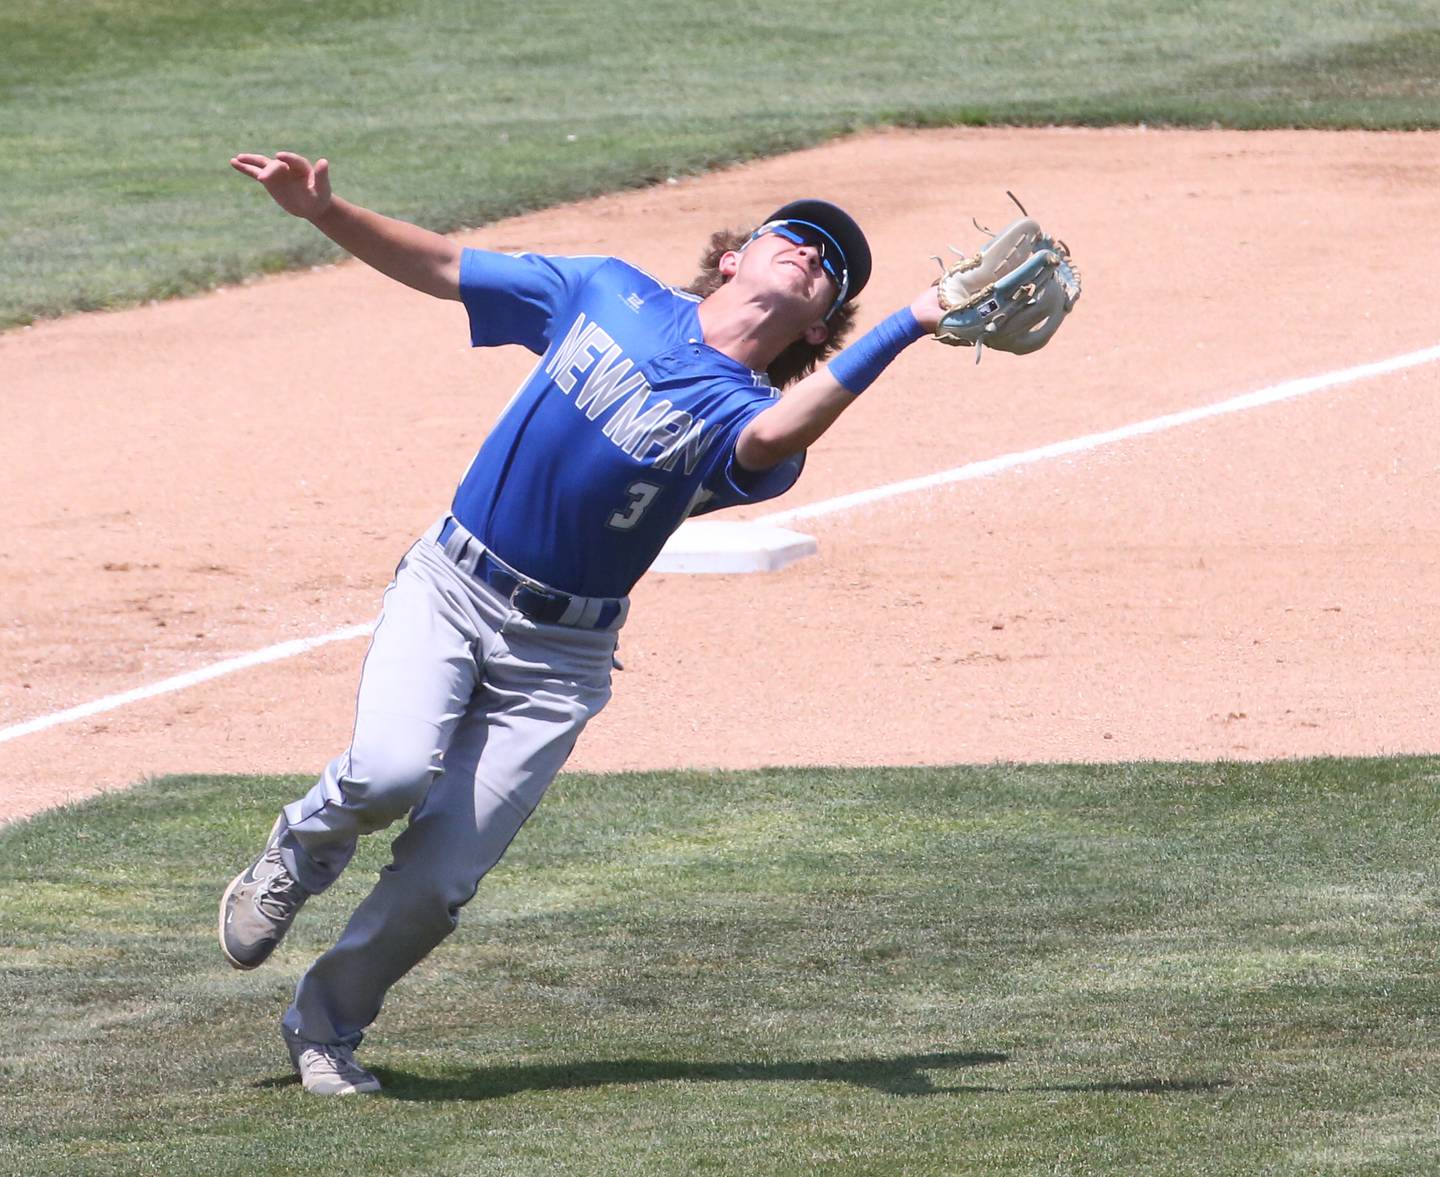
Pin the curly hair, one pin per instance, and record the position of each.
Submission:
(800, 358)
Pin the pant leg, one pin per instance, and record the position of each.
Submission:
(541, 686)
(418, 677)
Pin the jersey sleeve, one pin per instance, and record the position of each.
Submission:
(731, 485)
(517, 297)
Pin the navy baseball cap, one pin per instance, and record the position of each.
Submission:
(840, 228)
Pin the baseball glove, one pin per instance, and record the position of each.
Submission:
(1012, 295)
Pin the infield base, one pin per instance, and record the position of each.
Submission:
(704, 546)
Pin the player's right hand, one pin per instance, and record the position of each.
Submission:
(297, 186)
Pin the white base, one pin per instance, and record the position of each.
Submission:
(701, 546)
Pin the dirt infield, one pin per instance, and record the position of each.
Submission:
(192, 480)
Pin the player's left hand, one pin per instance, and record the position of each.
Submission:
(927, 309)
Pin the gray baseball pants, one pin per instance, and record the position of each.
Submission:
(466, 711)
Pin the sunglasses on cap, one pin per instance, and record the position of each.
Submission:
(832, 257)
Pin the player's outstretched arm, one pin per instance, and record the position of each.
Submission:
(806, 410)
(811, 406)
(425, 261)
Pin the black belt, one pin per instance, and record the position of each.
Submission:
(537, 601)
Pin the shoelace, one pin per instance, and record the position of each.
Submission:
(279, 893)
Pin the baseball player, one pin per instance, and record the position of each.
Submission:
(495, 641)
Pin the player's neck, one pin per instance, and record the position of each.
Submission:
(745, 328)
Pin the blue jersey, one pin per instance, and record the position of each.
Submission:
(626, 426)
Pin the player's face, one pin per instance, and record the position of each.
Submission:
(801, 259)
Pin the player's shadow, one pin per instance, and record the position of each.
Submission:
(907, 1074)
(904, 1075)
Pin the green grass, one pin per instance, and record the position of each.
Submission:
(1154, 969)
(117, 116)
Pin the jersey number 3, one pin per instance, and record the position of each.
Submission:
(642, 494)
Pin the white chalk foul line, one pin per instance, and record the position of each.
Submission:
(1235, 404)
(182, 681)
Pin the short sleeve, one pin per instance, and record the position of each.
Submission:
(516, 297)
(731, 485)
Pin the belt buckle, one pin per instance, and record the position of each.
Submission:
(539, 593)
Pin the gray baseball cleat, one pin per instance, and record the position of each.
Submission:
(328, 1068)
(259, 906)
